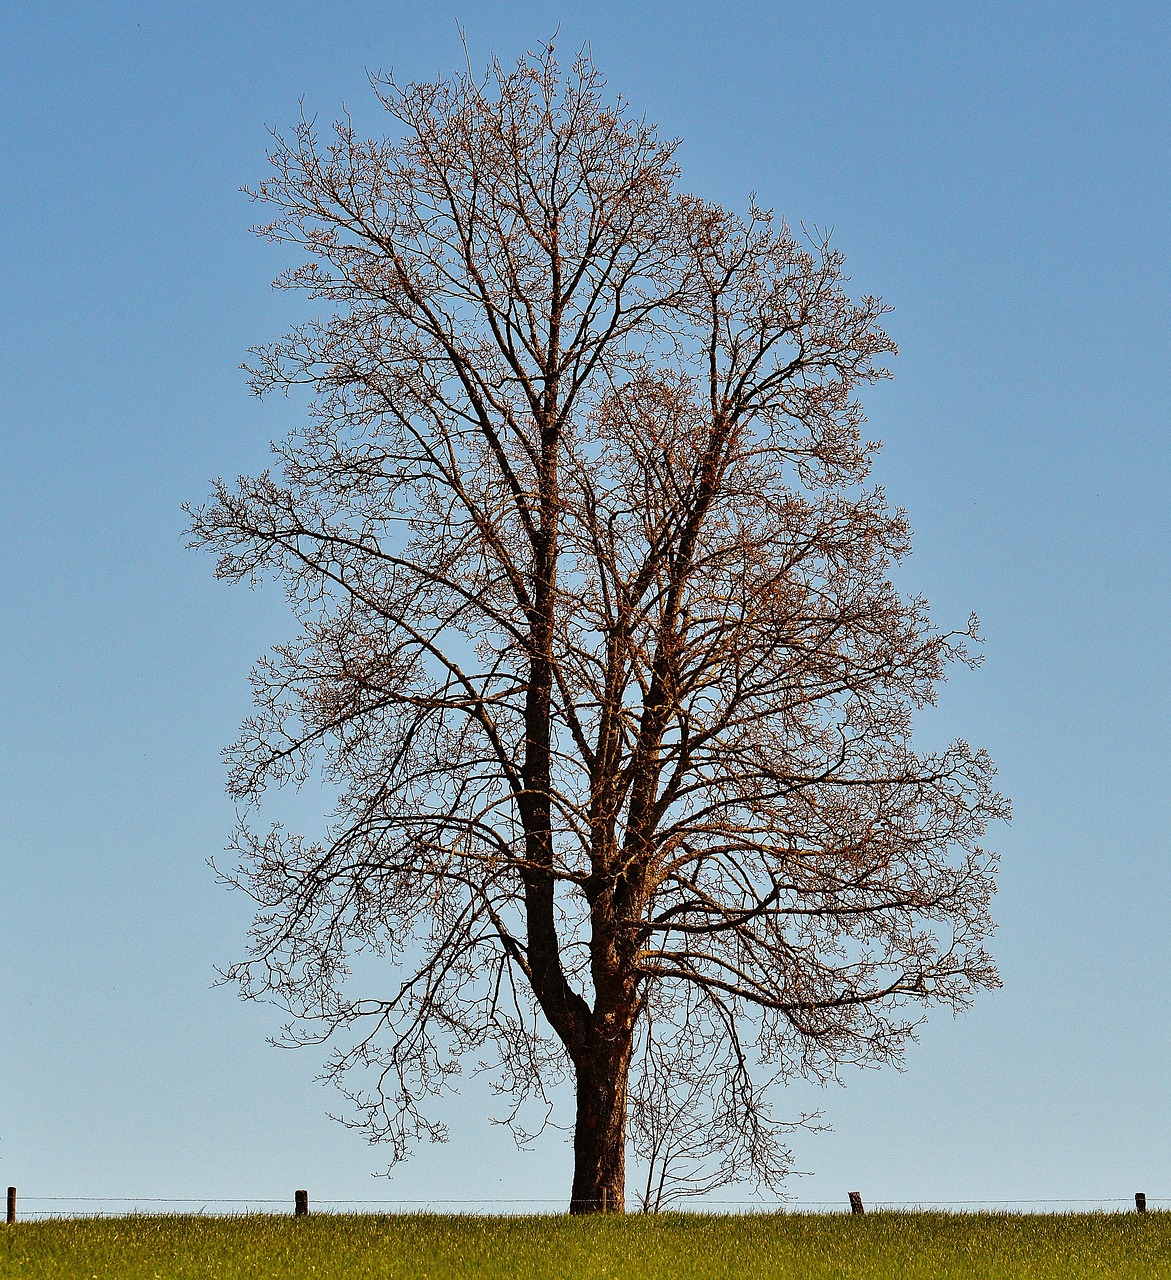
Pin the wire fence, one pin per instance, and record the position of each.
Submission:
(34, 1207)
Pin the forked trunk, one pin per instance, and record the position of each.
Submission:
(599, 1138)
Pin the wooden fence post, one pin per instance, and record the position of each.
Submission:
(1140, 1201)
(300, 1203)
(856, 1205)
(604, 1198)
(10, 1216)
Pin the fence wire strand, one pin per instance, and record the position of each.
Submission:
(485, 1202)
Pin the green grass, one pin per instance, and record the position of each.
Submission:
(882, 1246)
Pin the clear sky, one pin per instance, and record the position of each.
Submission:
(998, 172)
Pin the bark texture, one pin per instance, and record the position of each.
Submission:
(599, 1133)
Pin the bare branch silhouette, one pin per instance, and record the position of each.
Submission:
(597, 643)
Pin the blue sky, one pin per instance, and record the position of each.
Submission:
(999, 173)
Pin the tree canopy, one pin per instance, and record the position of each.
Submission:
(596, 640)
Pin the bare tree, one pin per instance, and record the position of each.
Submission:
(598, 642)
(697, 1118)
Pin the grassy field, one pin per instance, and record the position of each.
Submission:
(883, 1246)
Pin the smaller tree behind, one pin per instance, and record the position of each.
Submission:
(598, 642)
(698, 1120)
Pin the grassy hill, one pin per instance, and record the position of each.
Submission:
(880, 1246)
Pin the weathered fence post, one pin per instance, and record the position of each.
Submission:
(10, 1216)
(1140, 1201)
(300, 1203)
(604, 1198)
(856, 1205)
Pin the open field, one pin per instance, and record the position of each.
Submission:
(680, 1247)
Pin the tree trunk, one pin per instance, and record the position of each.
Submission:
(599, 1138)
